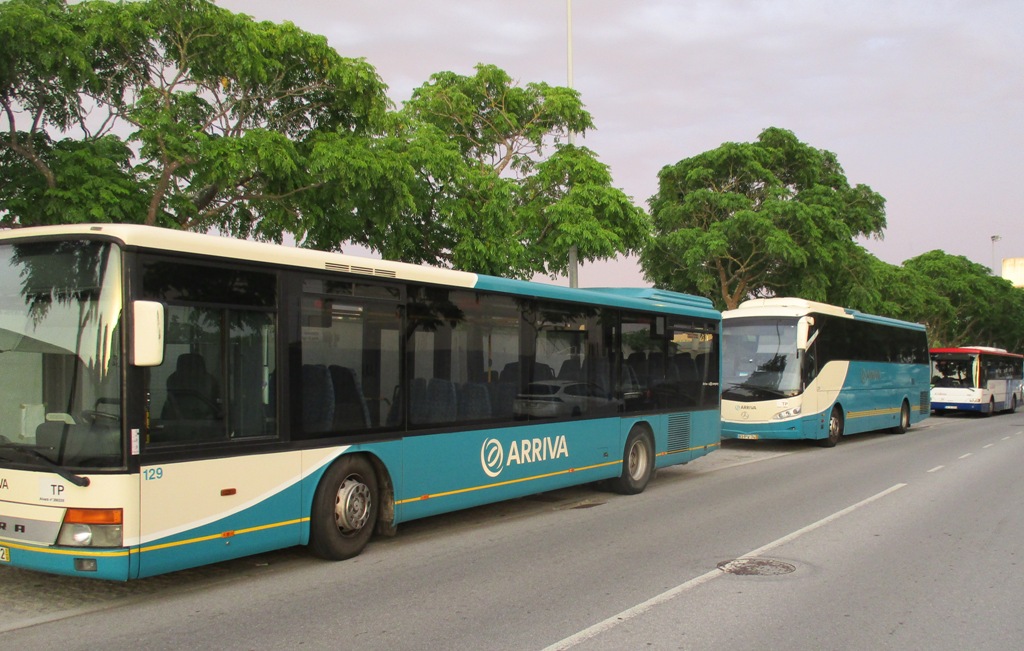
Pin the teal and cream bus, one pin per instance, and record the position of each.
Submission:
(170, 399)
(796, 369)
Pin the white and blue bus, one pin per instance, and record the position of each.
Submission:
(170, 399)
(976, 378)
(796, 369)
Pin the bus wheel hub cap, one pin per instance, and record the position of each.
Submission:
(352, 508)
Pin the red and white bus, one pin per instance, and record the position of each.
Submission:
(976, 378)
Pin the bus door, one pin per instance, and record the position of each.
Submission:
(213, 485)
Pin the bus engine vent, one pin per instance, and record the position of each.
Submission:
(353, 269)
(678, 432)
(926, 402)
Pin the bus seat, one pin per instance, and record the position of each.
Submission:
(442, 400)
(510, 373)
(542, 372)
(686, 366)
(637, 360)
(350, 408)
(570, 369)
(192, 392)
(419, 407)
(656, 368)
(503, 398)
(474, 401)
(598, 370)
(317, 398)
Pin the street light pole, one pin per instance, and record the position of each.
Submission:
(573, 262)
(995, 238)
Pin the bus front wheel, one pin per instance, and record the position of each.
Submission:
(344, 509)
(904, 424)
(835, 428)
(637, 463)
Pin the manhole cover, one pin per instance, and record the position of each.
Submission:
(756, 567)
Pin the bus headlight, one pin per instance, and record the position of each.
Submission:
(91, 528)
(788, 413)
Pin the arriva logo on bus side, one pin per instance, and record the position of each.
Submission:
(493, 458)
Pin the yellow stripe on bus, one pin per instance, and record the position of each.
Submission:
(89, 551)
(80, 551)
(223, 534)
(873, 412)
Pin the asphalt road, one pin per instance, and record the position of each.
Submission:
(884, 542)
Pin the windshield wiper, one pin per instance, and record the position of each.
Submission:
(34, 454)
(755, 389)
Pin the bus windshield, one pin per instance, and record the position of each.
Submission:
(760, 359)
(953, 370)
(60, 355)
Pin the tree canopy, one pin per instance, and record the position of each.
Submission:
(775, 216)
(512, 202)
(962, 303)
(175, 113)
(181, 114)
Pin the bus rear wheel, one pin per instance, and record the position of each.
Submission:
(637, 463)
(904, 424)
(344, 509)
(835, 428)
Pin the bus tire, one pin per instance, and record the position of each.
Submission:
(904, 423)
(991, 408)
(344, 509)
(1013, 404)
(637, 463)
(835, 428)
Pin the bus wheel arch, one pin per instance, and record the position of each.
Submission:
(638, 459)
(345, 508)
(904, 423)
(385, 525)
(835, 427)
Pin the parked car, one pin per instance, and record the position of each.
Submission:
(562, 399)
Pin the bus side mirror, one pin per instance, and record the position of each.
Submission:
(147, 333)
(803, 329)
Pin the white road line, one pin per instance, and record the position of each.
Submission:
(641, 608)
(964, 456)
(936, 468)
(1005, 438)
(985, 447)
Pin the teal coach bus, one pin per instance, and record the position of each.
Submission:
(170, 399)
(796, 369)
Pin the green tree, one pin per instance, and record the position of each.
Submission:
(979, 309)
(178, 113)
(512, 209)
(775, 216)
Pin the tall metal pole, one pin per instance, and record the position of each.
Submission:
(573, 262)
(995, 238)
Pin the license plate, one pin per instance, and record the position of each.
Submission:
(749, 437)
(5, 554)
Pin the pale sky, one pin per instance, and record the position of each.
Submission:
(922, 100)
